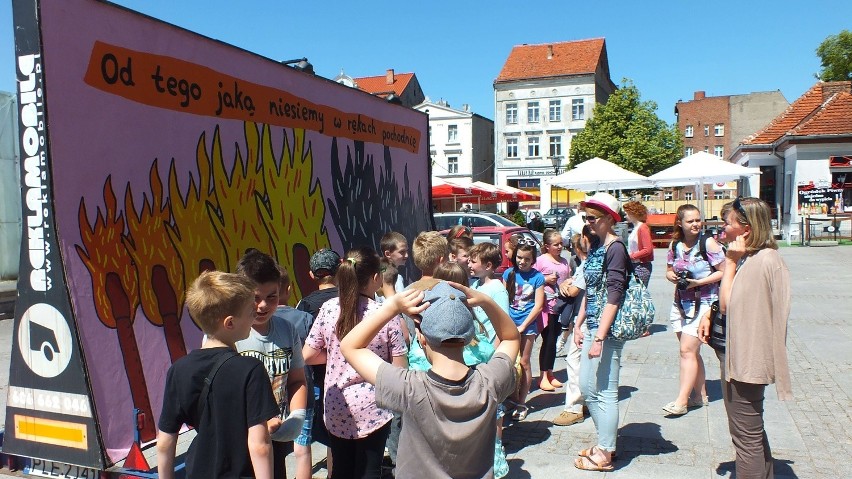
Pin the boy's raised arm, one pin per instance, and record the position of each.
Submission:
(354, 344)
(505, 328)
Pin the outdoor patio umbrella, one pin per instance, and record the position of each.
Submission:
(456, 190)
(699, 169)
(501, 193)
(598, 174)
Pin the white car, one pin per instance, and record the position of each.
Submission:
(444, 221)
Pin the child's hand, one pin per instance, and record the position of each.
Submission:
(410, 302)
(273, 424)
(474, 297)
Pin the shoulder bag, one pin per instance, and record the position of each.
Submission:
(636, 311)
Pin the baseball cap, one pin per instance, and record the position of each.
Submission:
(447, 317)
(605, 202)
(324, 263)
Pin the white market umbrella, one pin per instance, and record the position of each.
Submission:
(699, 169)
(598, 174)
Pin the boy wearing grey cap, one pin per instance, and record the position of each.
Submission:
(449, 412)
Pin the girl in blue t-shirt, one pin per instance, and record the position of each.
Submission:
(525, 286)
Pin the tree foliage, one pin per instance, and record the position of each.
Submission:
(835, 53)
(628, 132)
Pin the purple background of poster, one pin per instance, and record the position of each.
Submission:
(93, 135)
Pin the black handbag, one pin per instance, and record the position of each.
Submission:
(717, 328)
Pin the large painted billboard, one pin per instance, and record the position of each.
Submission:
(149, 154)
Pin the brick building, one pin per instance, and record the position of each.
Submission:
(401, 87)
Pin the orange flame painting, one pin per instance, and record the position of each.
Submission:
(161, 282)
(116, 293)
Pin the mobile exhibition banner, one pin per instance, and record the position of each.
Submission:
(149, 154)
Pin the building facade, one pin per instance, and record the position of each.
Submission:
(805, 158)
(402, 88)
(543, 97)
(461, 143)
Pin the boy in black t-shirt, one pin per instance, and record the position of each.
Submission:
(234, 419)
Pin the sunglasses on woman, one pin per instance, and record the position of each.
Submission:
(591, 218)
(527, 241)
(739, 207)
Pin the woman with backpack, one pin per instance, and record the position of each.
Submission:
(695, 265)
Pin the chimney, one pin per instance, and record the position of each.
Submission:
(830, 88)
(699, 95)
(550, 52)
(389, 78)
(465, 107)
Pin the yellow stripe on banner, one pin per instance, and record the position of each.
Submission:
(60, 433)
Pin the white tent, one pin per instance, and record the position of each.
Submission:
(598, 174)
(699, 169)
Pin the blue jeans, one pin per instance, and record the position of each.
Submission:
(599, 385)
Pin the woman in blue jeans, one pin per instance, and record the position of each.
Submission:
(606, 280)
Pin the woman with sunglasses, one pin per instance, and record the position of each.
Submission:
(694, 264)
(606, 273)
(755, 296)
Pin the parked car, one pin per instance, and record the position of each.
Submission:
(445, 221)
(498, 235)
(556, 217)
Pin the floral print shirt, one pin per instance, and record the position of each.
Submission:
(350, 401)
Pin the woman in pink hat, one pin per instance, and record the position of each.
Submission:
(606, 274)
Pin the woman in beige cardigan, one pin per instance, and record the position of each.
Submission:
(755, 295)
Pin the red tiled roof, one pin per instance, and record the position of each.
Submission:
(379, 85)
(825, 109)
(569, 58)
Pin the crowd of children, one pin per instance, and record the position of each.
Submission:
(367, 363)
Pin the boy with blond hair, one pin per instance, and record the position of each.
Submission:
(453, 435)
(429, 249)
(224, 396)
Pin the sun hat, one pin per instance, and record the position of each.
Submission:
(324, 263)
(447, 317)
(606, 202)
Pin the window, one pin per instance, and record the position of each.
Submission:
(555, 146)
(706, 149)
(688, 151)
(688, 132)
(452, 133)
(555, 110)
(578, 109)
(452, 164)
(705, 195)
(718, 195)
(688, 196)
(532, 144)
(719, 150)
(706, 130)
(667, 196)
(511, 113)
(511, 147)
(646, 197)
(719, 130)
(532, 112)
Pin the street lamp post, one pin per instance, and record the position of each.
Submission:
(556, 162)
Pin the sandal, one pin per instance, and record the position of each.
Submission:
(586, 463)
(675, 409)
(520, 412)
(590, 451)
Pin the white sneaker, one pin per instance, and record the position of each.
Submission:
(560, 345)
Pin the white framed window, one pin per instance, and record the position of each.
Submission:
(511, 113)
(688, 196)
(452, 133)
(555, 146)
(719, 129)
(532, 112)
(688, 131)
(452, 164)
(706, 149)
(578, 109)
(555, 110)
(532, 146)
(646, 197)
(719, 151)
(511, 147)
(718, 195)
(706, 130)
(705, 195)
(667, 196)
(688, 151)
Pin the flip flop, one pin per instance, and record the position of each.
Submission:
(586, 463)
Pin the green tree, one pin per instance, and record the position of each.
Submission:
(628, 132)
(835, 53)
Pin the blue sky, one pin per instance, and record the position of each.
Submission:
(668, 48)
